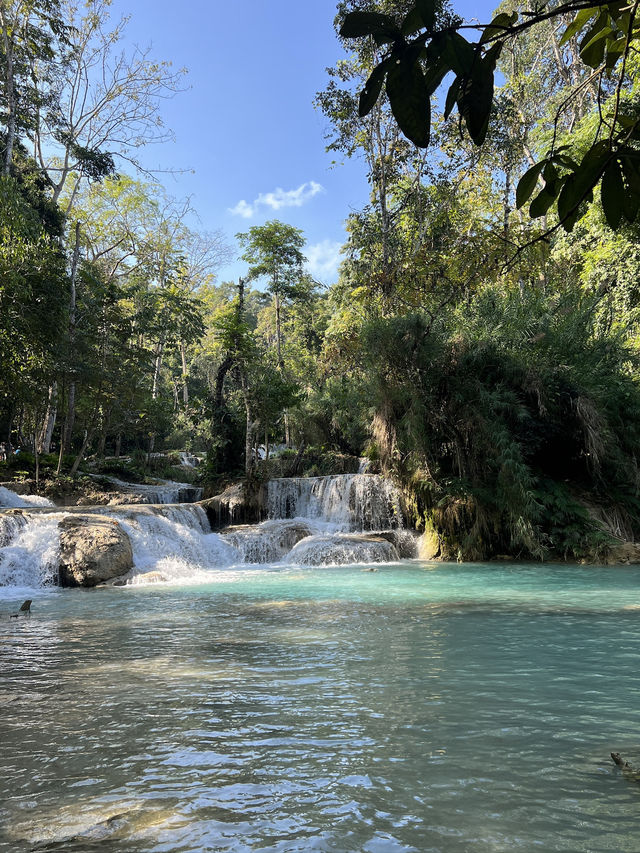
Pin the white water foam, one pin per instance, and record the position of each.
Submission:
(344, 502)
(175, 543)
(30, 559)
(267, 542)
(313, 521)
(11, 499)
(339, 550)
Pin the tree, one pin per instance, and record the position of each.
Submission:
(29, 34)
(422, 47)
(107, 104)
(274, 252)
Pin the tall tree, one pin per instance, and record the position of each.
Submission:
(274, 252)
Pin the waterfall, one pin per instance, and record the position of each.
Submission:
(29, 557)
(11, 499)
(266, 542)
(161, 492)
(345, 502)
(340, 549)
(337, 520)
(173, 542)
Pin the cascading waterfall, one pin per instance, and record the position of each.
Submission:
(174, 543)
(337, 520)
(341, 549)
(267, 542)
(11, 499)
(162, 492)
(339, 509)
(345, 502)
(30, 555)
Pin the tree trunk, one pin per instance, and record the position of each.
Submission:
(9, 89)
(88, 435)
(248, 442)
(71, 397)
(185, 386)
(507, 202)
(49, 423)
(37, 458)
(278, 306)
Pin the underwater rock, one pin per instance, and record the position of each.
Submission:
(93, 549)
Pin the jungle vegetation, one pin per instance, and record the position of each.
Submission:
(481, 343)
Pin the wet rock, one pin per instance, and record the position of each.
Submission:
(342, 549)
(625, 553)
(93, 549)
(266, 542)
(404, 541)
(231, 507)
(429, 546)
(19, 487)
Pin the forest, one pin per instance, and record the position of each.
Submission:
(480, 346)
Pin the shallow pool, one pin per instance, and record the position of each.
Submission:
(416, 708)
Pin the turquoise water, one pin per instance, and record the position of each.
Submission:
(416, 708)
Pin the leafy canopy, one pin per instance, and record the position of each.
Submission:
(422, 47)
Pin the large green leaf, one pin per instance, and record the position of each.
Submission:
(498, 26)
(452, 97)
(580, 184)
(459, 53)
(372, 89)
(434, 75)
(527, 183)
(412, 22)
(612, 193)
(543, 201)
(578, 23)
(476, 95)
(594, 42)
(427, 10)
(358, 24)
(409, 101)
(631, 169)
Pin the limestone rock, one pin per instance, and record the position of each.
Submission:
(406, 542)
(429, 547)
(266, 542)
(231, 507)
(93, 549)
(625, 553)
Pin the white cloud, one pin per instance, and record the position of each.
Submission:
(277, 199)
(323, 260)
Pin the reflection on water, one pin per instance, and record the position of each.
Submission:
(455, 709)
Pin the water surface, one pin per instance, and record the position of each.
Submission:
(416, 708)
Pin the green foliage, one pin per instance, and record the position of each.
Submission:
(417, 58)
(477, 412)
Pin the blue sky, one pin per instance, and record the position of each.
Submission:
(246, 126)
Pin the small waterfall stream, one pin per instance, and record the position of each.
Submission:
(342, 519)
(345, 502)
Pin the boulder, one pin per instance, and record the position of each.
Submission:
(429, 545)
(93, 549)
(233, 506)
